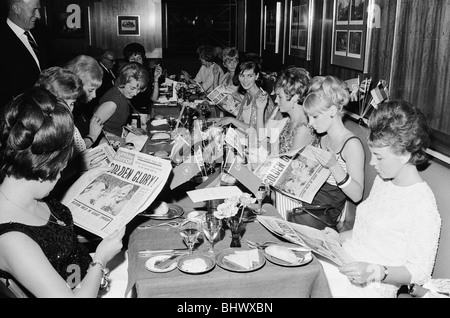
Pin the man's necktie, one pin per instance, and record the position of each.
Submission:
(32, 43)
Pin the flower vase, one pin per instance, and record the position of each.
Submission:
(236, 225)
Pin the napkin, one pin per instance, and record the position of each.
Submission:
(159, 122)
(244, 259)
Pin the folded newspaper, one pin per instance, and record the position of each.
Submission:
(296, 174)
(308, 237)
(115, 197)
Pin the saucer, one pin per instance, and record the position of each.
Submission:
(150, 263)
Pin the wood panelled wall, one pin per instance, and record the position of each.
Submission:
(104, 25)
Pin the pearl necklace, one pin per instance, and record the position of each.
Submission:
(58, 221)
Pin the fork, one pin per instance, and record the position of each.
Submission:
(171, 224)
(261, 245)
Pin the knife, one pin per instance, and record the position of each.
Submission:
(166, 263)
(153, 252)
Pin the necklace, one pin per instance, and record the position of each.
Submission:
(58, 221)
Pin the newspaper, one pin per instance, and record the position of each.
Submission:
(296, 174)
(224, 99)
(308, 237)
(115, 197)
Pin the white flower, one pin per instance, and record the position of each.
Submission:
(226, 210)
(246, 199)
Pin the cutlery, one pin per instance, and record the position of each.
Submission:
(263, 244)
(171, 224)
(178, 251)
(167, 262)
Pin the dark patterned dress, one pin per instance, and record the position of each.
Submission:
(59, 243)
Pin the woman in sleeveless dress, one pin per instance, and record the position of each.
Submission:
(339, 150)
(38, 244)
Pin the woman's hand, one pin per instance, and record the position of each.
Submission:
(109, 247)
(331, 233)
(324, 157)
(158, 72)
(261, 101)
(92, 158)
(360, 273)
(95, 127)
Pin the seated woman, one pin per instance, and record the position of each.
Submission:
(91, 74)
(254, 98)
(395, 237)
(143, 101)
(291, 88)
(209, 73)
(66, 85)
(114, 110)
(340, 151)
(230, 82)
(37, 233)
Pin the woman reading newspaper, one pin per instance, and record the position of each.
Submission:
(395, 237)
(38, 245)
(339, 150)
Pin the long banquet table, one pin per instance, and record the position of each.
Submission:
(270, 281)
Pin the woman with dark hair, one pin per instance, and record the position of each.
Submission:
(114, 110)
(291, 88)
(395, 237)
(38, 245)
(255, 98)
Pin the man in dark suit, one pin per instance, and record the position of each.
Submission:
(24, 54)
(107, 61)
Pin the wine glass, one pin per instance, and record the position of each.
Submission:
(262, 192)
(211, 227)
(189, 231)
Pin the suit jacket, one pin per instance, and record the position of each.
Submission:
(18, 68)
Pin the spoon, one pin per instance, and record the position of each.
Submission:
(171, 224)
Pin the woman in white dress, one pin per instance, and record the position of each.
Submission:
(395, 237)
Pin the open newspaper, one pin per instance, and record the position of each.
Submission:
(115, 197)
(308, 237)
(296, 174)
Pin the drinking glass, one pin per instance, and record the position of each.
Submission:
(189, 231)
(263, 190)
(211, 227)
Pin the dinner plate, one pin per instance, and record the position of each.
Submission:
(175, 211)
(195, 264)
(150, 263)
(199, 215)
(304, 257)
(225, 264)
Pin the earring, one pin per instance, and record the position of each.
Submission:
(331, 116)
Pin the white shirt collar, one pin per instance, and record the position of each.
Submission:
(16, 29)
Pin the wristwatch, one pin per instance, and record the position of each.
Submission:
(385, 273)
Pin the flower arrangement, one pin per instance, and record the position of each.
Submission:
(228, 211)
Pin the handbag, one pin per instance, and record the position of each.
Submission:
(316, 216)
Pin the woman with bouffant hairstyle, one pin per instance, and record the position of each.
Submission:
(39, 250)
(395, 237)
(37, 137)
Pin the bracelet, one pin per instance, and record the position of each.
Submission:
(90, 138)
(104, 282)
(347, 183)
(343, 181)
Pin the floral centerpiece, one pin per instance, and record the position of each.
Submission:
(229, 212)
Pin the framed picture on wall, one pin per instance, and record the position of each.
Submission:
(349, 33)
(128, 25)
(299, 28)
